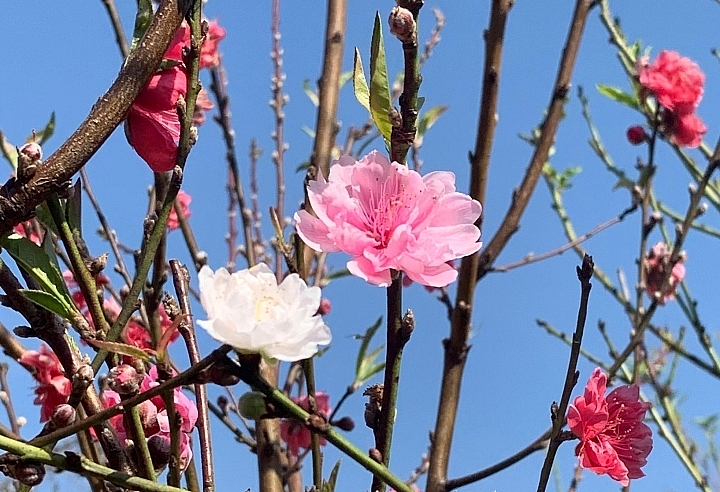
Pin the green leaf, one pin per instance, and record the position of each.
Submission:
(9, 151)
(360, 87)
(343, 272)
(380, 103)
(44, 135)
(73, 209)
(345, 77)
(365, 365)
(420, 103)
(142, 21)
(308, 131)
(618, 95)
(329, 484)
(120, 348)
(428, 119)
(48, 301)
(310, 93)
(45, 218)
(40, 266)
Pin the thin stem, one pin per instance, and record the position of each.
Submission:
(309, 370)
(147, 470)
(585, 273)
(117, 26)
(6, 399)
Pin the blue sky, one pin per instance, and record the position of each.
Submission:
(61, 56)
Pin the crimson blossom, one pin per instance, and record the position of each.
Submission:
(297, 435)
(677, 83)
(614, 440)
(53, 387)
(388, 217)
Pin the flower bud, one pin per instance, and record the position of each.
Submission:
(31, 150)
(346, 423)
(124, 379)
(159, 447)
(31, 474)
(251, 405)
(636, 135)
(63, 416)
(325, 307)
(402, 25)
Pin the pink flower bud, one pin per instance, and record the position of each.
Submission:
(325, 306)
(124, 379)
(63, 415)
(32, 150)
(402, 24)
(636, 135)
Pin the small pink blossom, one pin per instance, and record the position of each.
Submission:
(209, 55)
(203, 104)
(656, 264)
(295, 434)
(676, 81)
(388, 217)
(53, 388)
(27, 230)
(614, 440)
(184, 199)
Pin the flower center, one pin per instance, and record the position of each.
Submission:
(385, 208)
(265, 308)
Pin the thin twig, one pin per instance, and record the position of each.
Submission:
(117, 26)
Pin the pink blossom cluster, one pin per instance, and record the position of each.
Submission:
(154, 417)
(152, 123)
(134, 333)
(389, 218)
(677, 84)
(53, 387)
(614, 440)
(295, 434)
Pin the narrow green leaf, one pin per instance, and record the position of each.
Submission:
(360, 87)
(8, 150)
(120, 348)
(45, 218)
(40, 266)
(48, 301)
(44, 135)
(308, 131)
(380, 103)
(366, 338)
(310, 93)
(420, 103)
(428, 119)
(368, 361)
(73, 209)
(345, 77)
(329, 484)
(369, 372)
(618, 95)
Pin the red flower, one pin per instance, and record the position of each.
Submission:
(676, 81)
(184, 199)
(152, 126)
(686, 130)
(614, 440)
(656, 264)
(137, 335)
(53, 388)
(209, 56)
(297, 435)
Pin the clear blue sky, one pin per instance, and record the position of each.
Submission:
(61, 56)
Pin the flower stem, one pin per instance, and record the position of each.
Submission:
(309, 370)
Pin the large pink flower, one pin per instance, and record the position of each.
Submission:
(614, 440)
(676, 81)
(388, 217)
(297, 435)
(53, 387)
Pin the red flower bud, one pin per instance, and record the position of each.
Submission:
(32, 150)
(636, 135)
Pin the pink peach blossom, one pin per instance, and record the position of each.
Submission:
(209, 56)
(53, 388)
(295, 434)
(184, 199)
(614, 440)
(388, 217)
(656, 263)
(676, 81)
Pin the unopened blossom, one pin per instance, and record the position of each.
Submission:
(53, 387)
(250, 311)
(209, 55)
(388, 217)
(402, 24)
(614, 440)
(294, 433)
(152, 123)
(677, 84)
(656, 264)
(636, 135)
(184, 199)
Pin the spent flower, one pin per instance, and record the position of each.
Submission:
(250, 311)
(294, 433)
(388, 217)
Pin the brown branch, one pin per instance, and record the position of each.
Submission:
(107, 113)
(456, 346)
(548, 129)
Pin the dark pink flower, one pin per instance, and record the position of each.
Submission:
(27, 230)
(53, 388)
(295, 434)
(209, 56)
(388, 217)
(184, 199)
(656, 264)
(686, 130)
(203, 104)
(614, 440)
(676, 81)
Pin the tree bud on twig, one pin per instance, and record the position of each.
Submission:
(402, 25)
